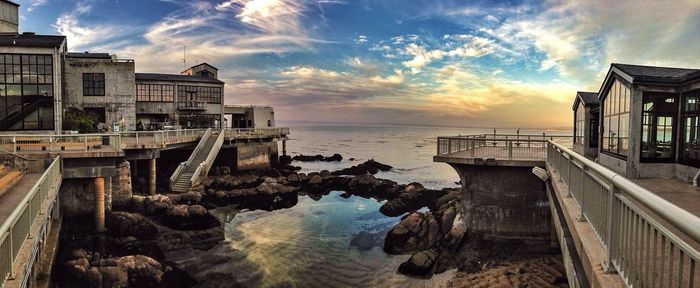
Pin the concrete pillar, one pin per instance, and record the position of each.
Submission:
(284, 147)
(108, 194)
(100, 204)
(152, 177)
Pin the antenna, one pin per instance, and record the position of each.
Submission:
(184, 57)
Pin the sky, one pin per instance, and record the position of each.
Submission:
(404, 62)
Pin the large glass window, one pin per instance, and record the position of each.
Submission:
(616, 116)
(26, 92)
(691, 128)
(579, 125)
(202, 94)
(200, 120)
(93, 84)
(155, 93)
(658, 133)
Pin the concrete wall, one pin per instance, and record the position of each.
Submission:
(251, 156)
(145, 110)
(504, 202)
(9, 18)
(119, 101)
(257, 116)
(77, 196)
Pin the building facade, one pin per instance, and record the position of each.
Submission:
(179, 100)
(103, 85)
(586, 124)
(9, 17)
(240, 116)
(650, 121)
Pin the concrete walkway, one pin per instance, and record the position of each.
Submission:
(11, 199)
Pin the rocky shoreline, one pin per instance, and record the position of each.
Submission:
(148, 235)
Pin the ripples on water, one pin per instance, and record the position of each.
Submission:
(309, 245)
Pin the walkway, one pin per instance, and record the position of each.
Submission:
(11, 199)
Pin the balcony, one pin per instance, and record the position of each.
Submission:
(191, 106)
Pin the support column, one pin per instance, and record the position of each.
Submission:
(284, 147)
(100, 204)
(152, 177)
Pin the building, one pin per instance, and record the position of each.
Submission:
(586, 123)
(650, 121)
(241, 116)
(103, 85)
(9, 17)
(192, 99)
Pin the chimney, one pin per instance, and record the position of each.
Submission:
(9, 18)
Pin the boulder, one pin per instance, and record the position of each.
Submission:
(189, 217)
(420, 264)
(368, 167)
(123, 224)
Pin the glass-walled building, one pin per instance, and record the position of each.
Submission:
(649, 121)
(586, 124)
(187, 100)
(30, 82)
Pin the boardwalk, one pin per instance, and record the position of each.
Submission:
(12, 198)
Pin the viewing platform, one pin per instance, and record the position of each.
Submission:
(496, 149)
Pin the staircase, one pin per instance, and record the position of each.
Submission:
(198, 164)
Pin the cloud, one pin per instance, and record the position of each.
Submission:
(83, 36)
(361, 39)
(33, 4)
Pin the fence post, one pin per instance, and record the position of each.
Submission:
(510, 149)
(473, 148)
(449, 145)
(14, 144)
(568, 173)
(608, 266)
(85, 140)
(581, 216)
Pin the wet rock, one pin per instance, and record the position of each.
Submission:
(308, 158)
(416, 231)
(124, 224)
(222, 171)
(420, 264)
(189, 217)
(143, 271)
(413, 198)
(368, 167)
(284, 160)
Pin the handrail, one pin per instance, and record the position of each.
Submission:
(683, 220)
(641, 249)
(17, 226)
(204, 167)
(181, 167)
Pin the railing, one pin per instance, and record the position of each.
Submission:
(16, 228)
(233, 133)
(502, 147)
(162, 138)
(643, 251)
(181, 167)
(58, 143)
(203, 168)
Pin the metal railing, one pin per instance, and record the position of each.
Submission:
(183, 165)
(644, 252)
(502, 147)
(58, 143)
(16, 228)
(162, 138)
(233, 133)
(204, 167)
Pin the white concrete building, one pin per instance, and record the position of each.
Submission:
(241, 116)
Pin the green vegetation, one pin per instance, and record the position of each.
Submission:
(77, 119)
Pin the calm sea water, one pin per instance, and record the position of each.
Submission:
(309, 245)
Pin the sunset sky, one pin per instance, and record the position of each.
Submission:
(414, 62)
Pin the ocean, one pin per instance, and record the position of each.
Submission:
(311, 244)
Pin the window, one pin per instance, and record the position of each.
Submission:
(658, 117)
(616, 116)
(93, 84)
(579, 125)
(691, 128)
(154, 93)
(200, 120)
(26, 92)
(199, 94)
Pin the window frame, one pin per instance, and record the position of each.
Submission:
(683, 114)
(674, 130)
(23, 78)
(98, 87)
(619, 84)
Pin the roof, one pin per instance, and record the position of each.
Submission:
(10, 2)
(205, 63)
(176, 77)
(657, 74)
(588, 98)
(31, 40)
(87, 55)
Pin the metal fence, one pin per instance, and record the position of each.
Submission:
(645, 252)
(16, 229)
(501, 147)
(57, 143)
(232, 133)
(159, 139)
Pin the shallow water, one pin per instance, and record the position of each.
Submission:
(309, 245)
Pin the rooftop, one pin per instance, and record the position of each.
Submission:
(8, 1)
(176, 77)
(88, 55)
(657, 74)
(31, 40)
(588, 98)
(205, 63)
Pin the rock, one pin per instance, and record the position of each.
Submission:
(114, 277)
(284, 160)
(189, 217)
(420, 264)
(368, 167)
(143, 271)
(413, 198)
(307, 158)
(122, 224)
(222, 171)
